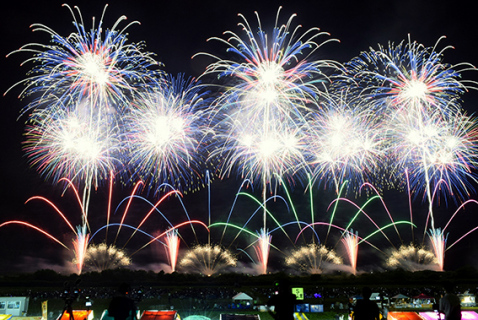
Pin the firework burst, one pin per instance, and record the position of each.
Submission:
(272, 75)
(101, 257)
(408, 76)
(270, 87)
(262, 152)
(313, 258)
(346, 143)
(67, 144)
(96, 64)
(208, 259)
(434, 149)
(165, 132)
(79, 87)
(412, 258)
(417, 95)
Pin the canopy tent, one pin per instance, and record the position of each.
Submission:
(242, 297)
(400, 296)
(241, 301)
(77, 315)
(394, 315)
(431, 315)
(159, 315)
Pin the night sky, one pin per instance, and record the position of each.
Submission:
(175, 31)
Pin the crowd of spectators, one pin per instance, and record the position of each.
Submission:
(219, 297)
(319, 293)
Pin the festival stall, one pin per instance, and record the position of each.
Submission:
(160, 315)
(409, 315)
(423, 301)
(77, 315)
(242, 301)
(14, 306)
(431, 315)
(400, 301)
(467, 299)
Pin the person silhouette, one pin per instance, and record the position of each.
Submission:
(365, 309)
(450, 303)
(122, 307)
(284, 302)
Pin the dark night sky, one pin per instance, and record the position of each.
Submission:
(175, 31)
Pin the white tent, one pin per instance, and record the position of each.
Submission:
(242, 297)
(400, 300)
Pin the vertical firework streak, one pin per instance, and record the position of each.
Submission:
(350, 241)
(258, 120)
(438, 240)
(262, 248)
(429, 136)
(80, 245)
(262, 244)
(103, 254)
(172, 248)
(396, 254)
(66, 145)
(80, 87)
(82, 236)
(83, 81)
(415, 257)
(316, 254)
(80, 242)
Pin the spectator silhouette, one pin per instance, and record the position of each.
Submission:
(450, 303)
(122, 307)
(365, 309)
(284, 302)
